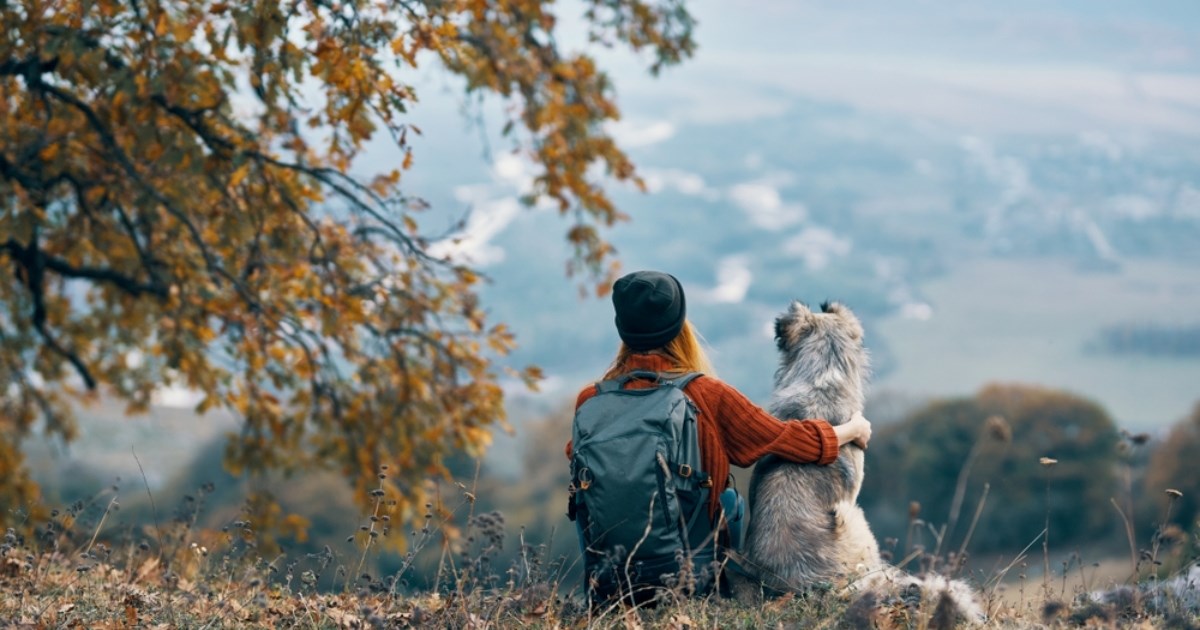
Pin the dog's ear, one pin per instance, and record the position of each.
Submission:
(781, 327)
(792, 325)
(843, 312)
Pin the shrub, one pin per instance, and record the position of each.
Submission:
(926, 456)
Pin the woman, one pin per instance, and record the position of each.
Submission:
(656, 337)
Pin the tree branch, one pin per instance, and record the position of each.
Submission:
(33, 261)
(110, 142)
(63, 268)
(119, 280)
(26, 67)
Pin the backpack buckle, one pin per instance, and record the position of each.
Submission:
(585, 478)
(685, 471)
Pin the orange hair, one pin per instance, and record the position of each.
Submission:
(684, 351)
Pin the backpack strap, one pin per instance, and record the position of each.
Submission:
(618, 383)
(614, 384)
(701, 506)
(682, 381)
(706, 489)
(603, 387)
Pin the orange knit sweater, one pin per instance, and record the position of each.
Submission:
(734, 430)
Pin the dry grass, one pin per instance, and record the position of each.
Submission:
(52, 592)
(79, 570)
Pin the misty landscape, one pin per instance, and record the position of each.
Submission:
(1006, 194)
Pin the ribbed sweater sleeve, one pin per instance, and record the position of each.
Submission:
(749, 433)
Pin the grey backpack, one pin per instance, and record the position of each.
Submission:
(639, 494)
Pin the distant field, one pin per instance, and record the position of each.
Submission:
(1033, 322)
(165, 439)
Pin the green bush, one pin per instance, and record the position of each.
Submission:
(997, 437)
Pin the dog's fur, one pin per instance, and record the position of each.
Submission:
(805, 523)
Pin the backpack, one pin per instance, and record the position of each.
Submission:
(639, 496)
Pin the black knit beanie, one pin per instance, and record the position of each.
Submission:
(650, 309)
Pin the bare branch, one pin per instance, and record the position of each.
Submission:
(32, 261)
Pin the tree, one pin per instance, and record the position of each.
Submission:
(997, 437)
(177, 207)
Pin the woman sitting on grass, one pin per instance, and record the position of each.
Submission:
(632, 547)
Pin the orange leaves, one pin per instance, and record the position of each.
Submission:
(296, 527)
(398, 46)
(239, 174)
(501, 340)
(163, 24)
(476, 440)
(231, 248)
(49, 153)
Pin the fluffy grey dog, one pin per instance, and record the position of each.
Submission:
(805, 523)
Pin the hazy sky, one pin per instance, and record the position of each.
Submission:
(999, 66)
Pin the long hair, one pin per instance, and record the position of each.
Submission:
(685, 353)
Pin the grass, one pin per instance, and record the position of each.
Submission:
(78, 569)
(463, 566)
(88, 564)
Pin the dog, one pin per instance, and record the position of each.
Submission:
(805, 524)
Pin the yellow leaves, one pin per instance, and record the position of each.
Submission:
(501, 340)
(566, 72)
(274, 281)
(204, 334)
(239, 401)
(280, 354)
(476, 439)
(531, 375)
(255, 362)
(206, 404)
(467, 276)
(239, 175)
(417, 387)
(49, 153)
(143, 85)
(447, 30)
(154, 151)
(385, 182)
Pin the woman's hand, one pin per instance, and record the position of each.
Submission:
(857, 431)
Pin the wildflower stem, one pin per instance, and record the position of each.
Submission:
(371, 530)
(153, 509)
(960, 487)
(1046, 544)
(100, 525)
(962, 549)
(1129, 534)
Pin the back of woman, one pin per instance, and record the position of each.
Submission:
(656, 438)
